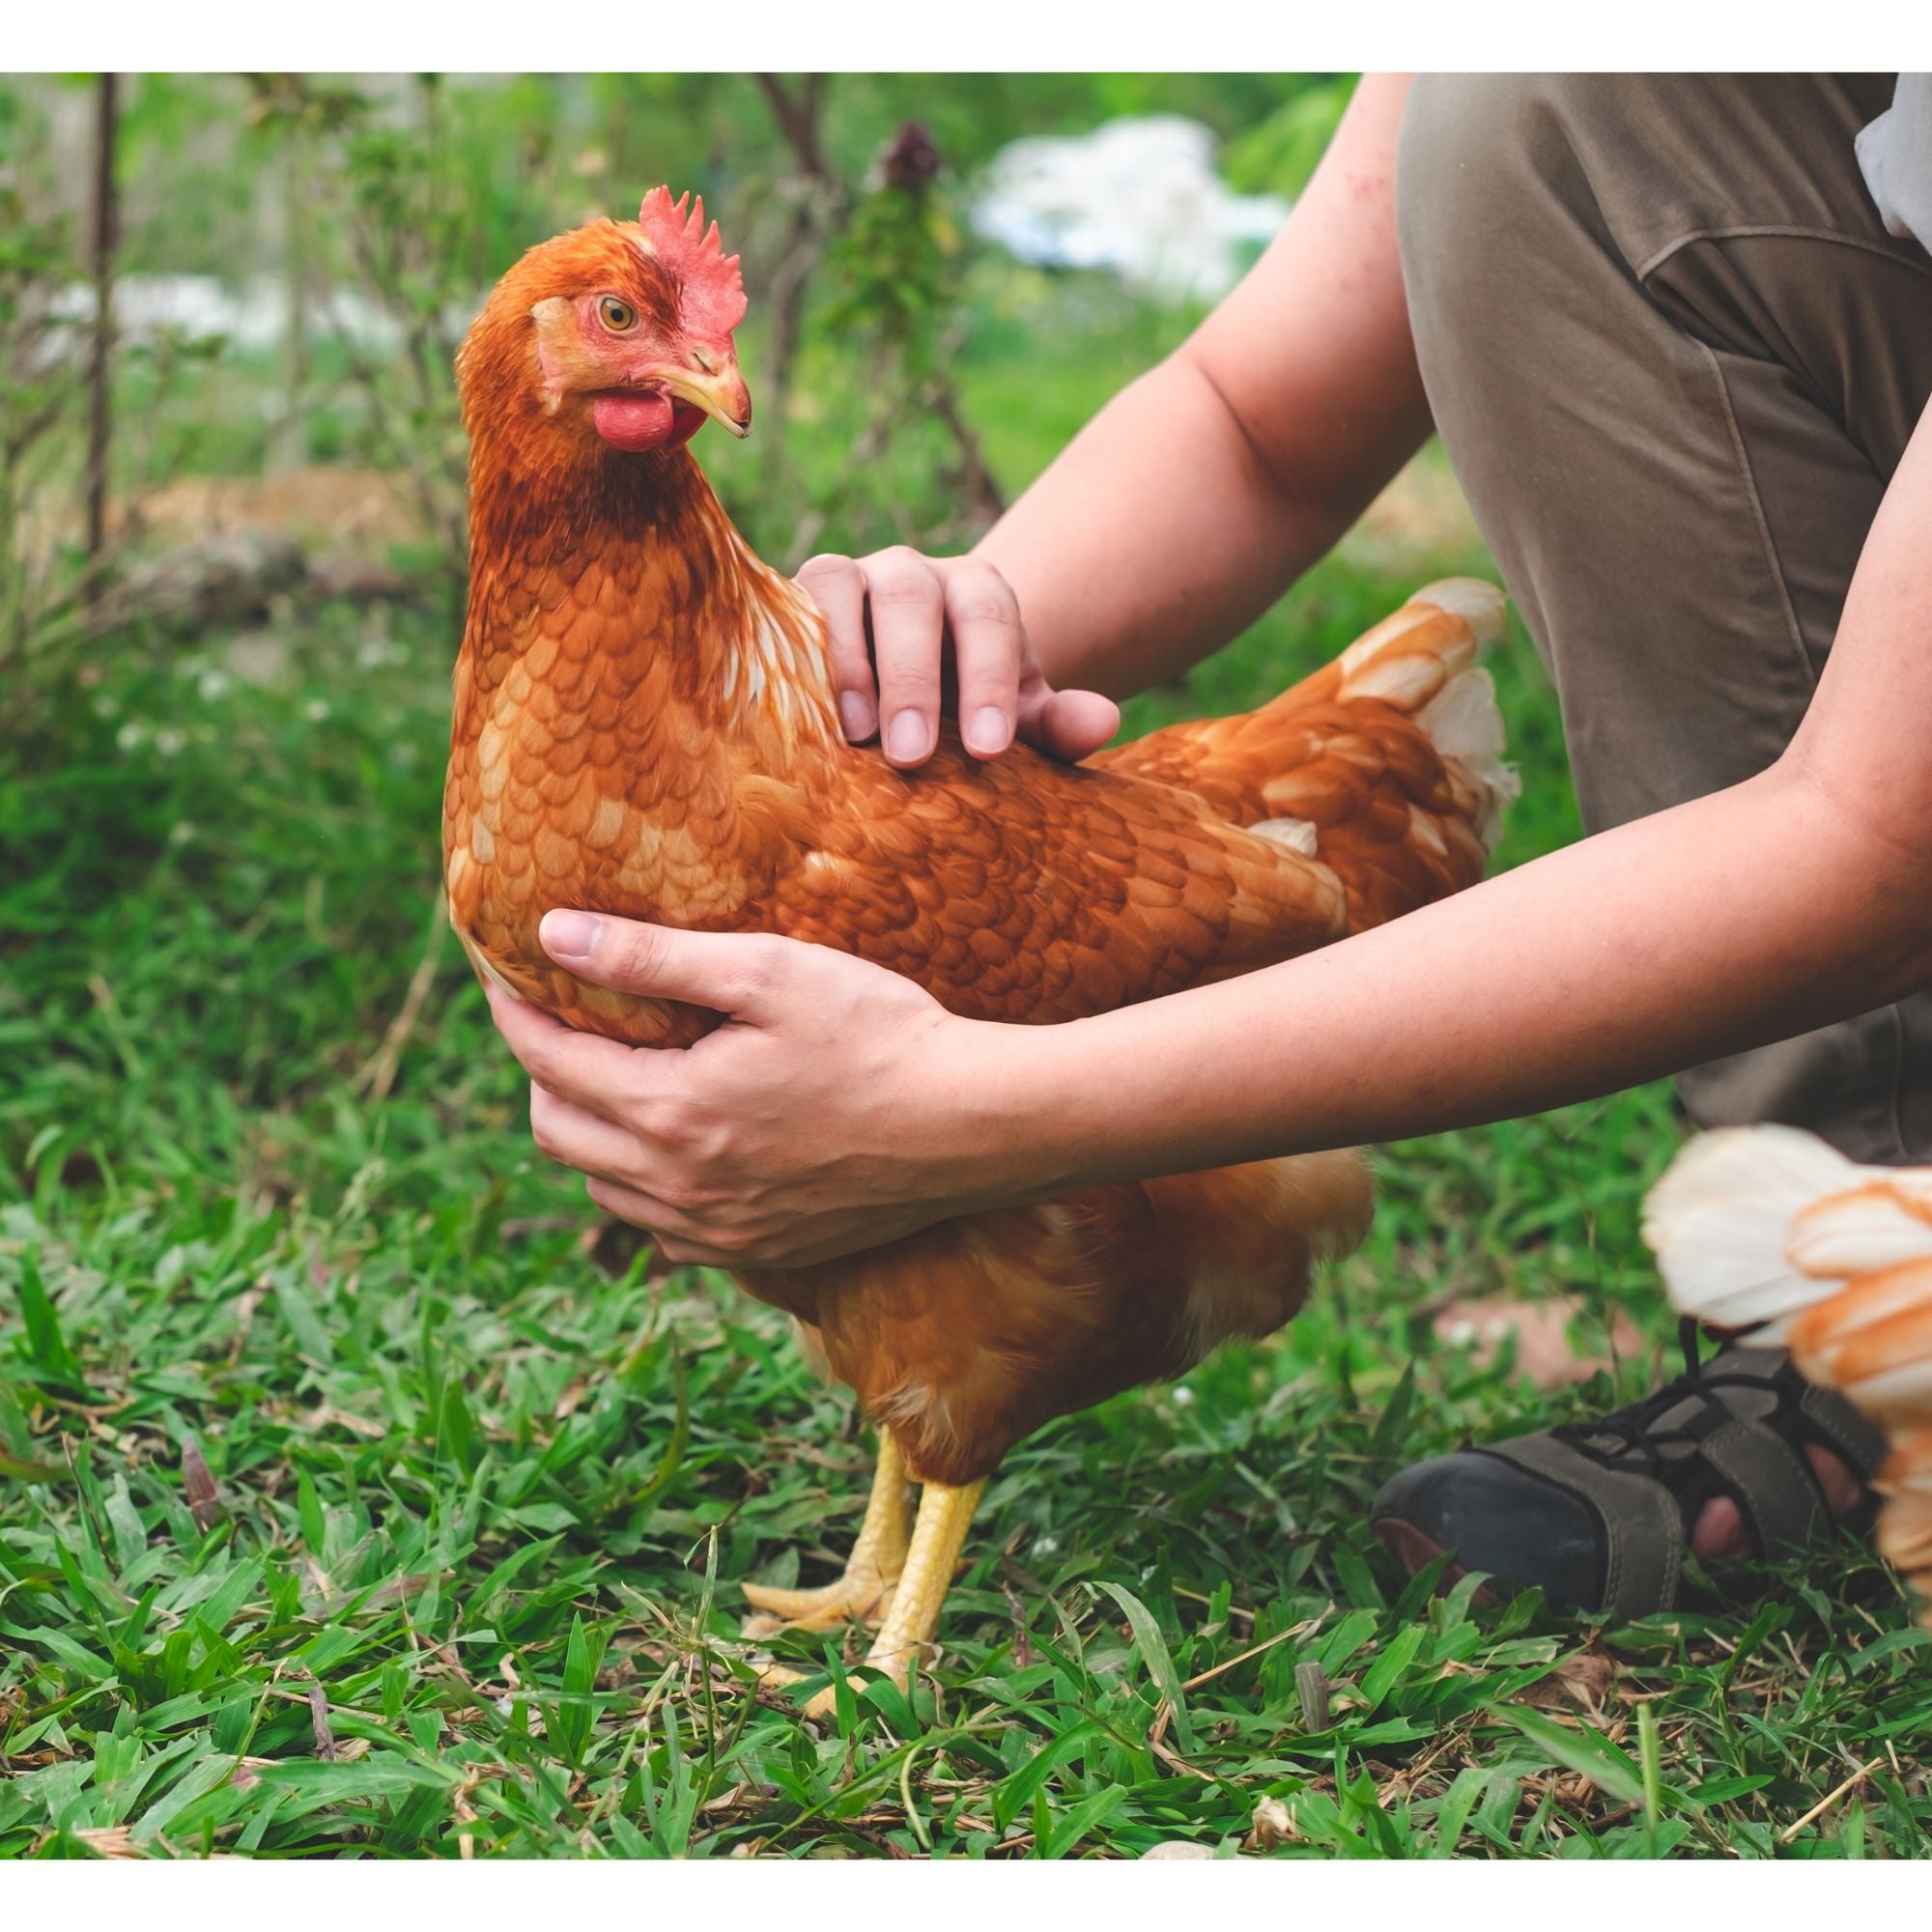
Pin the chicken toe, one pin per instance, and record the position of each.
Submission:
(864, 1592)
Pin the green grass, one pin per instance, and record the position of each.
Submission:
(462, 1574)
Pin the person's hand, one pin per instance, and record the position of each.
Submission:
(824, 1115)
(893, 615)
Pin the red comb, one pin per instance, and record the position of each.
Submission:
(713, 291)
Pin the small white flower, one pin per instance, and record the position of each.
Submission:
(132, 735)
(180, 832)
(316, 710)
(1184, 1398)
(1046, 1545)
(169, 742)
(214, 685)
(505, 1706)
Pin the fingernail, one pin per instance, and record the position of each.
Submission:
(855, 713)
(987, 731)
(570, 935)
(906, 737)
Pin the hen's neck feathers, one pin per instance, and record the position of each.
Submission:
(642, 550)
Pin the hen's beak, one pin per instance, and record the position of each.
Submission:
(720, 391)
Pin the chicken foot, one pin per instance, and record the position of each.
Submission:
(938, 1534)
(863, 1594)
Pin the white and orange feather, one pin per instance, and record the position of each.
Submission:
(1768, 1233)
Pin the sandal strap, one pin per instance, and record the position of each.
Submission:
(1855, 1437)
(1726, 1426)
(1643, 1528)
(1771, 1483)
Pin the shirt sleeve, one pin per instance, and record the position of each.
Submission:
(1895, 155)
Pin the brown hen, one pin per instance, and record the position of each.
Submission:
(644, 726)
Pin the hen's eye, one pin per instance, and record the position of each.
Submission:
(616, 315)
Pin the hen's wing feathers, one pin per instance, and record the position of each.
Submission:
(1385, 764)
(1357, 785)
(1022, 890)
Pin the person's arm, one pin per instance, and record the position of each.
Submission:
(841, 1106)
(1205, 488)
(1185, 508)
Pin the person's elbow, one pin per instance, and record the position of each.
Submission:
(1872, 846)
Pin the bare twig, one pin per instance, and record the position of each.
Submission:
(819, 208)
(318, 1718)
(378, 1073)
(1162, 1749)
(985, 500)
(100, 416)
(1831, 1798)
(798, 118)
(1253, 1650)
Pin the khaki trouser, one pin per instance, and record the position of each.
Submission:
(1675, 358)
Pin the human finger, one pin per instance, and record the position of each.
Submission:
(735, 973)
(988, 646)
(907, 607)
(579, 1067)
(837, 584)
(1069, 724)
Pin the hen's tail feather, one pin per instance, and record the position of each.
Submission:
(1720, 1223)
(1873, 1340)
(1304, 767)
(1465, 726)
(1422, 659)
(1769, 1230)
(1408, 657)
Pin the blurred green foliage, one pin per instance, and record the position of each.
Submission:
(393, 202)
(1277, 155)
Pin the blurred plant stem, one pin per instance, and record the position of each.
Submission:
(289, 448)
(819, 208)
(99, 371)
(899, 261)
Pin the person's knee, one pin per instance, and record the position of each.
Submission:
(1483, 176)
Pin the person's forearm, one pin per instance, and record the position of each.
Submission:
(1738, 919)
(1133, 558)
(1799, 897)
(1205, 488)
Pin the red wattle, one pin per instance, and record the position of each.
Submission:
(644, 419)
(640, 421)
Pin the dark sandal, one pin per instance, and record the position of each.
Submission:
(1598, 1514)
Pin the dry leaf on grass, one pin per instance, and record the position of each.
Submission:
(1272, 1825)
(110, 1841)
(1582, 1682)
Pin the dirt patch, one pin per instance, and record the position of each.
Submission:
(1544, 1350)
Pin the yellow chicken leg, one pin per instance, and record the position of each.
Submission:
(865, 1592)
(943, 1517)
